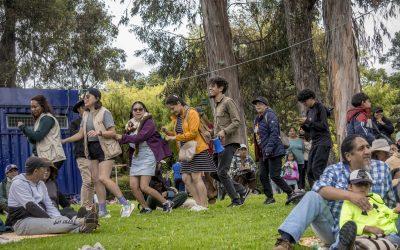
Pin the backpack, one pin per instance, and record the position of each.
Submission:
(373, 243)
(282, 136)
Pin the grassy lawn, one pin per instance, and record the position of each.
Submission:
(252, 226)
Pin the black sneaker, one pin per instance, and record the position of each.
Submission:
(269, 201)
(294, 197)
(167, 206)
(236, 203)
(245, 195)
(347, 235)
(145, 210)
(90, 223)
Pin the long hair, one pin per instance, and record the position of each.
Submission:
(137, 102)
(42, 101)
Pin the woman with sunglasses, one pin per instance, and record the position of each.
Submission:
(98, 132)
(146, 149)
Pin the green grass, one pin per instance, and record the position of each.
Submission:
(252, 226)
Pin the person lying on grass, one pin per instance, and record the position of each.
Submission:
(321, 207)
(379, 220)
(30, 210)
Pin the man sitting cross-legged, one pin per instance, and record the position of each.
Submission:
(31, 211)
(321, 207)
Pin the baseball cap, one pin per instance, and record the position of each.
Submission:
(78, 105)
(243, 146)
(9, 167)
(34, 162)
(360, 176)
(260, 99)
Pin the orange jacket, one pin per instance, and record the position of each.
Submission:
(190, 126)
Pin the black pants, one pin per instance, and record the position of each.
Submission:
(302, 175)
(271, 168)
(317, 161)
(224, 164)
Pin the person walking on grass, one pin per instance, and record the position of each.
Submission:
(31, 211)
(87, 188)
(45, 136)
(269, 147)
(186, 128)
(146, 148)
(227, 128)
(98, 132)
(315, 123)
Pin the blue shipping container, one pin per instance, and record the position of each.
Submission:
(14, 147)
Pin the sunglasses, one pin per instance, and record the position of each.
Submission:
(138, 109)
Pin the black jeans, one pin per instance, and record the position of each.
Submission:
(271, 168)
(317, 161)
(302, 175)
(224, 164)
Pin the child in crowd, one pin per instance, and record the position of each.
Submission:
(290, 171)
(380, 220)
(176, 169)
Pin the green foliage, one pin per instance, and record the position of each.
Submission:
(393, 54)
(63, 44)
(383, 91)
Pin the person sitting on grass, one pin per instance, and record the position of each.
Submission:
(11, 171)
(243, 168)
(58, 200)
(379, 220)
(321, 207)
(30, 210)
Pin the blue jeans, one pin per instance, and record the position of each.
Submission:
(312, 211)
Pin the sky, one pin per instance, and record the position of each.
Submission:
(127, 41)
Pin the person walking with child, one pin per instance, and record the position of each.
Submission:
(297, 147)
(186, 130)
(146, 148)
(290, 171)
(98, 132)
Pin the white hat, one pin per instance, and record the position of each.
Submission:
(380, 145)
(243, 146)
(360, 175)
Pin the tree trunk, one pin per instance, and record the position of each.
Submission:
(8, 68)
(344, 78)
(219, 53)
(298, 17)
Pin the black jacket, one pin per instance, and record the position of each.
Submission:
(317, 125)
(386, 129)
(79, 150)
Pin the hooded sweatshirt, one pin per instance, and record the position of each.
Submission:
(23, 192)
(359, 122)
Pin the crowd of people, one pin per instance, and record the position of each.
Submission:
(35, 205)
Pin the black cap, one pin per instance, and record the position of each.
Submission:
(34, 162)
(94, 92)
(260, 99)
(78, 105)
(378, 109)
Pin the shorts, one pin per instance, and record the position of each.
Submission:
(95, 151)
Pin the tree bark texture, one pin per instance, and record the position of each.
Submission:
(8, 67)
(219, 53)
(298, 17)
(343, 74)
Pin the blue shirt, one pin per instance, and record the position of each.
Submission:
(338, 175)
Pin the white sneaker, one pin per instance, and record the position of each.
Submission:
(198, 208)
(126, 210)
(104, 215)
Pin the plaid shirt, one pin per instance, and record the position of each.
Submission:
(338, 175)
